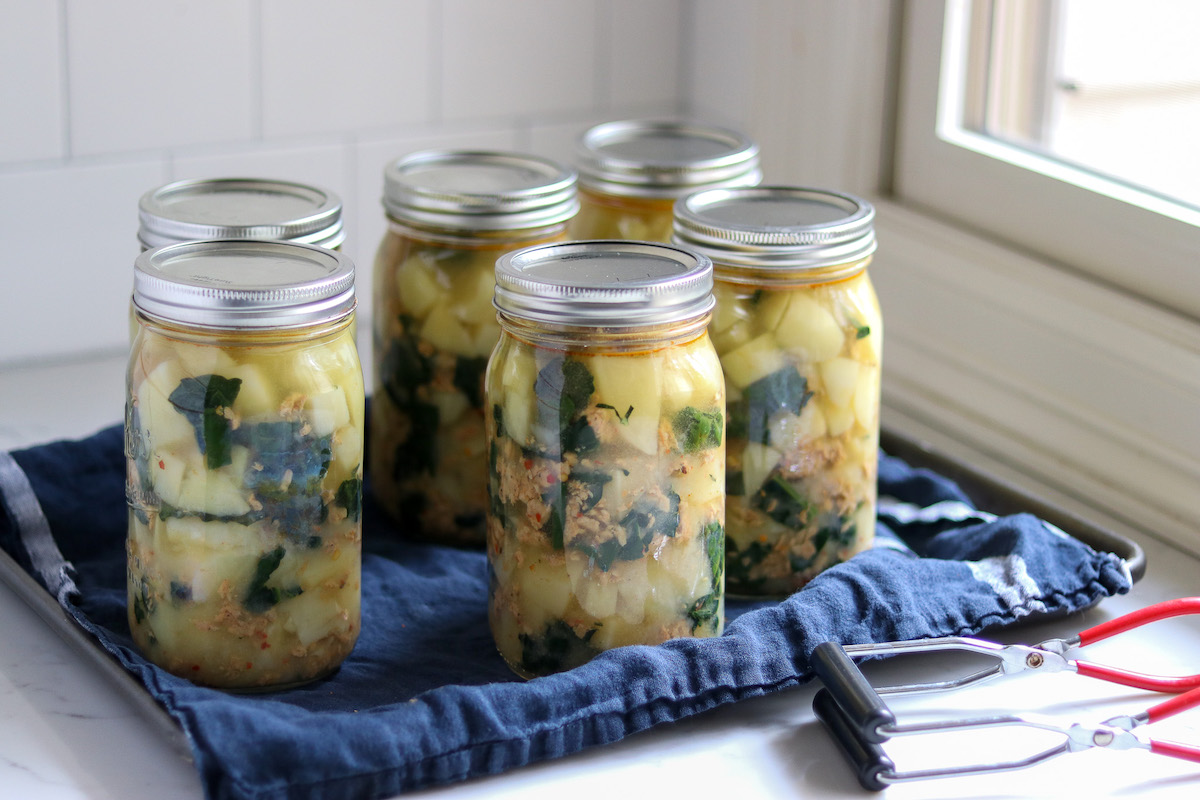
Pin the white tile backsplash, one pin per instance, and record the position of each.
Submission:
(100, 102)
(31, 98)
(159, 75)
(345, 66)
(642, 56)
(70, 239)
(518, 58)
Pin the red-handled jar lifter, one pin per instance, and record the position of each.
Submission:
(861, 722)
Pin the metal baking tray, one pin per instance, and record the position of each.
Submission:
(988, 492)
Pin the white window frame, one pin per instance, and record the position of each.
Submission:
(1116, 233)
(1045, 331)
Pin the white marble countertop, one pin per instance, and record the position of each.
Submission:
(66, 732)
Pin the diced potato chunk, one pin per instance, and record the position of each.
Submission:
(840, 378)
(417, 286)
(755, 359)
(758, 460)
(809, 330)
(445, 331)
(625, 382)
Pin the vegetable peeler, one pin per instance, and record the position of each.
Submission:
(861, 722)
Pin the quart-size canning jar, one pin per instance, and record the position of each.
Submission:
(237, 208)
(240, 208)
(451, 214)
(631, 172)
(244, 441)
(605, 425)
(799, 331)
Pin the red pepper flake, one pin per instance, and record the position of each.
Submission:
(161, 465)
(551, 478)
(529, 463)
(249, 665)
(265, 645)
(538, 516)
(195, 667)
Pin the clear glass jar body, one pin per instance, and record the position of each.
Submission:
(434, 328)
(802, 368)
(607, 474)
(244, 484)
(611, 216)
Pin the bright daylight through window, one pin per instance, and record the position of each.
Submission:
(1063, 127)
(1106, 85)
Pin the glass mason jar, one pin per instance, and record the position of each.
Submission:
(237, 208)
(244, 440)
(605, 426)
(451, 214)
(631, 172)
(799, 331)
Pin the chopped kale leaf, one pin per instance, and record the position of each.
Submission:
(862, 331)
(784, 389)
(285, 474)
(642, 523)
(260, 597)
(780, 501)
(563, 388)
(713, 535)
(203, 400)
(592, 486)
(404, 367)
(558, 648)
(698, 430)
(740, 563)
(418, 453)
(180, 592)
(349, 497)
(704, 611)
(468, 378)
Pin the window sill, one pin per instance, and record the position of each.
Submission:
(1058, 383)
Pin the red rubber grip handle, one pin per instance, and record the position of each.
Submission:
(1173, 706)
(1175, 750)
(1164, 610)
(1138, 680)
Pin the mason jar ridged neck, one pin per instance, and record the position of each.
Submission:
(243, 284)
(239, 208)
(776, 227)
(664, 158)
(478, 190)
(604, 283)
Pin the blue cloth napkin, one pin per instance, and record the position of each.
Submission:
(424, 699)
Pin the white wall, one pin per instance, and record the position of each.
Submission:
(100, 101)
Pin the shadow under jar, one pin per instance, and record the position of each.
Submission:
(605, 430)
(799, 331)
(631, 172)
(451, 214)
(243, 441)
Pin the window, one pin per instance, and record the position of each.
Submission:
(1066, 127)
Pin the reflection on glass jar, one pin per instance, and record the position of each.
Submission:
(244, 440)
(606, 453)
(451, 215)
(631, 173)
(799, 332)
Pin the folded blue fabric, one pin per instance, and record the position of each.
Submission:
(424, 699)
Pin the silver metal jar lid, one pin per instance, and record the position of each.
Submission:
(664, 158)
(472, 190)
(606, 283)
(243, 284)
(239, 208)
(776, 226)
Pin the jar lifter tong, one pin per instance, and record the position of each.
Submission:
(860, 721)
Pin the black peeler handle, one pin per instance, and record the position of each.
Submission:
(863, 707)
(869, 761)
